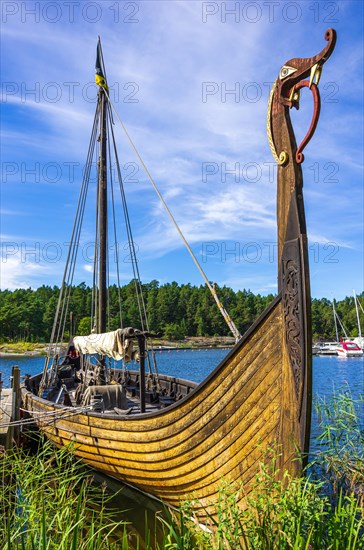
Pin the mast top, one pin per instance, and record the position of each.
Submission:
(100, 73)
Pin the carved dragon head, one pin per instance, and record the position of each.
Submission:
(286, 93)
(297, 69)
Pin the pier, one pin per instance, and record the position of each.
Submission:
(9, 410)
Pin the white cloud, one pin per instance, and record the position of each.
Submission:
(15, 273)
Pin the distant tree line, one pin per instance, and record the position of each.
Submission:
(173, 309)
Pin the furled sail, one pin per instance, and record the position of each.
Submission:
(116, 344)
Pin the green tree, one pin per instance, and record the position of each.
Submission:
(84, 326)
(174, 309)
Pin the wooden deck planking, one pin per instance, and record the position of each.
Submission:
(6, 404)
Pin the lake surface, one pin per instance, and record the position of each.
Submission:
(191, 364)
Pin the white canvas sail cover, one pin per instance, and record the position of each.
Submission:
(114, 344)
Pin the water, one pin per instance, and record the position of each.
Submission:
(330, 373)
(27, 365)
(192, 365)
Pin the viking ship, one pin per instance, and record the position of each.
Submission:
(170, 437)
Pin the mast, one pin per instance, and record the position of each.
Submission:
(102, 210)
(102, 205)
(102, 190)
(357, 317)
(335, 320)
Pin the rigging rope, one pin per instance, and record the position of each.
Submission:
(341, 324)
(71, 262)
(137, 280)
(223, 311)
(66, 286)
(358, 301)
(94, 300)
(59, 324)
(52, 416)
(337, 318)
(115, 232)
(136, 276)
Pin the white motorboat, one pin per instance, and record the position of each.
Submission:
(327, 348)
(349, 349)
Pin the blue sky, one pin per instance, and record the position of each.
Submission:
(191, 82)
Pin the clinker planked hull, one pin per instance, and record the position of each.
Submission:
(221, 430)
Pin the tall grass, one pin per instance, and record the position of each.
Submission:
(48, 501)
(288, 515)
(339, 457)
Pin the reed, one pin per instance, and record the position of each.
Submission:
(339, 458)
(278, 516)
(48, 501)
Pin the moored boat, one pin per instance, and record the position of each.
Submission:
(359, 341)
(347, 348)
(327, 348)
(167, 436)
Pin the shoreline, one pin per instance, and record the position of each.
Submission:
(22, 354)
(8, 349)
(4, 354)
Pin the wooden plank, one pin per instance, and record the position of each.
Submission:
(5, 409)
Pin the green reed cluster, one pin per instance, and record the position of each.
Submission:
(288, 515)
(339, 458)
(48, 501)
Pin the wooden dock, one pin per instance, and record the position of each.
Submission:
(6, 403)
(9, 409)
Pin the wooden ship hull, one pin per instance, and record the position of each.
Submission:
(219, 431)
(255, 403)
